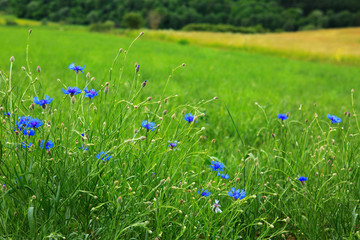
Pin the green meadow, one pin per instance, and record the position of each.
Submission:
(148, 190)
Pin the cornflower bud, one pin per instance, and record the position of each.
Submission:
(137, 68)
(164, 112)
(119, 200)
(38, 69)
(23, 68)
(143, 84)
(106, 90)
(30, 31)
(88, 75)
(12, 59)
(73, 100)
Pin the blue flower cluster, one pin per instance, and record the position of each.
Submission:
(27, 125)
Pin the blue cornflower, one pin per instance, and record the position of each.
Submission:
(82, 147)
(334, 119)
(43, 102)
(28, 124)
(282, 116)
(190, 118)
(237, 194)
(24, 145)
(224, 176)
(34, 123)
(217, 166)
(28, 132)
(49, 144)
(103, 156)
(204, 193)
(76, 68)
(173, 145)
(7, 114)
(90, 93)
(148, 125)
(302, 179)
(72, 91)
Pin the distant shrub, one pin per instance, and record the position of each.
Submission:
(183, 42)
(44, 21)
(133, 20)
(223, 28)
(102, 27)
(10, 21)
(309, 27)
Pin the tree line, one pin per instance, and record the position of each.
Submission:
(266, 15)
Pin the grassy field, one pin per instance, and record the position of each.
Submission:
(148, 190)
(332, 45)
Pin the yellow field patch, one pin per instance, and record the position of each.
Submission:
(336, 45)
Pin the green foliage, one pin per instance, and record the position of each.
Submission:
(102, 27)
(68, 193)
(223, 28)
(133, 20)
(10, 21)
(176, 14)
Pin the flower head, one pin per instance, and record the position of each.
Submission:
(27, 125)
(90, 93)
(189, 117)
(216, 207)
(103, 156)
(204, 193)
(148, 125)
(43, 102)
(302, 179)
(334, 119)
(282, 116)
(76, 68)
(224, 176)
(173, 145)
(72, 91)
(49, 144)
(217, 166)
(237, 194)
(7, 114)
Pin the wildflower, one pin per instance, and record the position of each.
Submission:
(76, 68)
(282, 116)
(216, 207)
(72, 91)
(103, 156)
(217, 166)
(204, 193)
(7, 114)
(90, 93)
(34, 123)
(237, 194)
(173, 145)
(148, 125)
(334, 119)
(43, 102)
(302, 179)
(144, 83)
(3, 188)
(82, 147)
(28, 124)
(137, 68)
(24, 145)
(49, 144)
(190, 118)
(224, 176)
